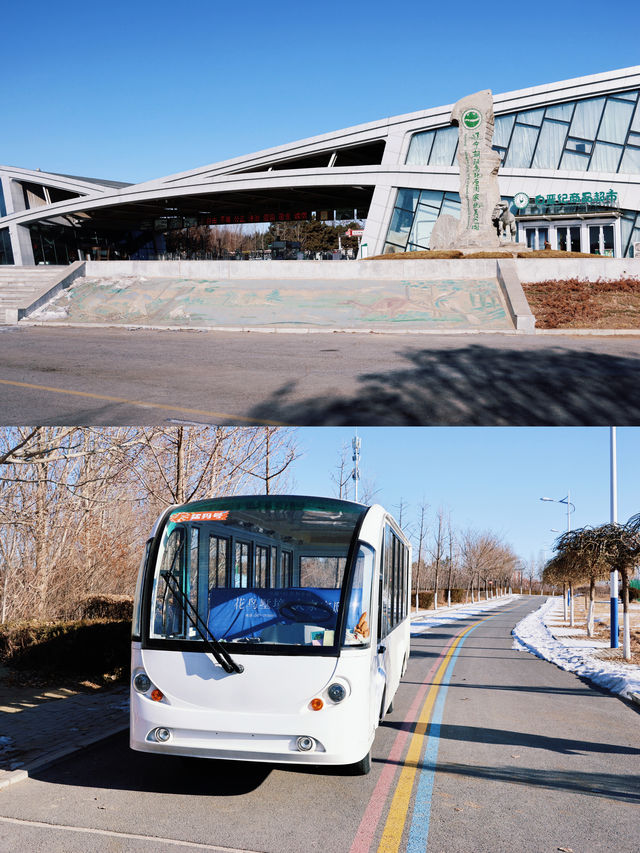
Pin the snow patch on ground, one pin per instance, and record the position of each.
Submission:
(532, 634)
(50, 311)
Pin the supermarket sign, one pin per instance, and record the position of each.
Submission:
(522, 200)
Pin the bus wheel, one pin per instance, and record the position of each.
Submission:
(360, 768)
(390, 708)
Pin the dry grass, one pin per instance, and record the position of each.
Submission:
(454, 255)
(577, 304)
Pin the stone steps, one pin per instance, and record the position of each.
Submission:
(22, 289)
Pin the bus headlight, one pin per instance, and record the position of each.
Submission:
(336, 692)
(142, 682)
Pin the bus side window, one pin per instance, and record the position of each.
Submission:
(218, 550)
(286, 577)
(393, 583)
(384, 625)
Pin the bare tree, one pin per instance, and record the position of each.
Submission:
(622, 553)
(584, 558)
(422, 532)
(437, 553)
(278, 451)
(451, 550)
(76, 503)
(342, 475)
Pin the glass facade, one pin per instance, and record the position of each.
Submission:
(416, 211)
(629, 231)
(414, 215)
(6, 252)
(593, 135)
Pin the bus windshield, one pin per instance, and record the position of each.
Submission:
(263, 570)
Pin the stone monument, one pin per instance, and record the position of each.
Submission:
(484, 218)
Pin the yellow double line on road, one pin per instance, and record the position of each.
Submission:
(142, 403)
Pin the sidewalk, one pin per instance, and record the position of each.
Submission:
(39, 727)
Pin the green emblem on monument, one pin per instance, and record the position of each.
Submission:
(471, 119)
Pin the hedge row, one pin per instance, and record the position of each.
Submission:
(85, 648)
(425, 599)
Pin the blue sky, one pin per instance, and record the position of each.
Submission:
(138, 90)
(489, 478)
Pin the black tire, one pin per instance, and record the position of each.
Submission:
(382, 711)
(390, 708)
(360, 768)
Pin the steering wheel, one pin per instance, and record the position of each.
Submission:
(306, 611)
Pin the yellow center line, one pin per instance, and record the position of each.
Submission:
(393, 829)
(143, 403)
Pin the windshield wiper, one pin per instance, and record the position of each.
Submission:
(215, 647)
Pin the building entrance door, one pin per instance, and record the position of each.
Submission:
(536, 237)
(568, 237)
(601, 240)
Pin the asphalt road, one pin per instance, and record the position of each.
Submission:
(115, 376)
(518, 755)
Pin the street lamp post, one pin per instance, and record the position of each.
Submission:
(613, 578)
(566, 501)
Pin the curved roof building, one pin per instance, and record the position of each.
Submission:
(570, 170)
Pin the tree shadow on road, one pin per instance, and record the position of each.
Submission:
(610, 786)
(477, 385)
(564, 746)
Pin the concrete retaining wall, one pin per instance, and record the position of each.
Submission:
(514, 296)
(528, 269)
(296, 270)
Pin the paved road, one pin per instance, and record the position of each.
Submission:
(115, 376)
(528, 758)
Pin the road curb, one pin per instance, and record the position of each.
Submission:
(12, 777)
(332, 330)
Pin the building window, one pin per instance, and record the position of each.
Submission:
(596, 135)
(6, 252)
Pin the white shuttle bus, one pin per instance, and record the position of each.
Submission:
(269, 628)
